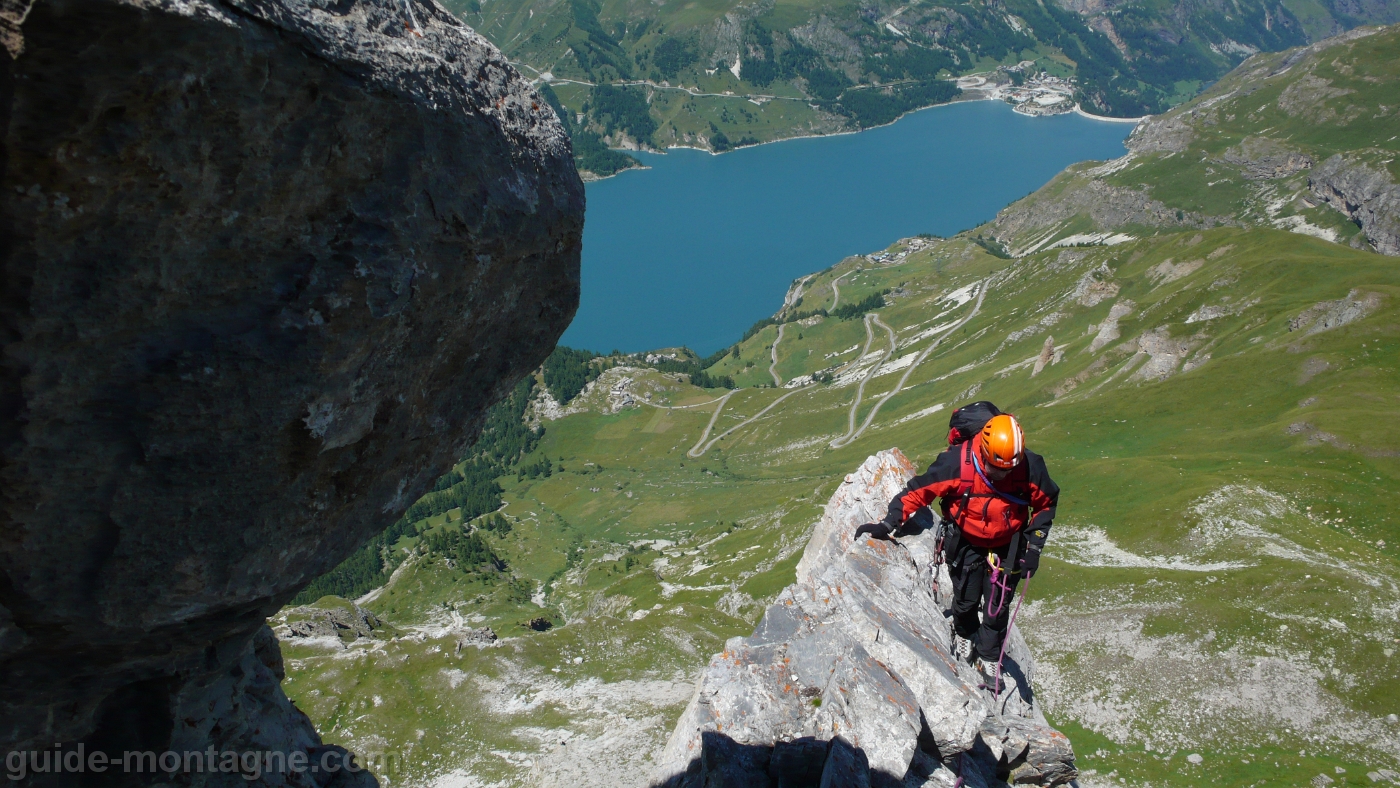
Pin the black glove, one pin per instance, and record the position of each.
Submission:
(1030, 560)
(876, 531)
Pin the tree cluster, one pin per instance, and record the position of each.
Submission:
(495, 523)
(466, 550)
(566, 371)
(856, 309)
(590, 153)
(623, 108)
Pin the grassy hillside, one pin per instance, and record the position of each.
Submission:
(723, 73)
(1219, 405)
(1249, 151)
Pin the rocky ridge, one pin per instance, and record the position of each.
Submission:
(1366, 194)
(266, 266)
(849, 678)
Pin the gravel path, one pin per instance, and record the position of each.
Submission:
(773, 368)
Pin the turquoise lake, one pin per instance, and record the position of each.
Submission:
(697, 248)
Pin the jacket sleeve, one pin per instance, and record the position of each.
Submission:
(940, 480)
(1045, 495)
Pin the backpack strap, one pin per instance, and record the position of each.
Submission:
(969, 470)
(967, 474)
(1005, 496)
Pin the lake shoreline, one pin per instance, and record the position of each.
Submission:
(695, 251)
(960, 100)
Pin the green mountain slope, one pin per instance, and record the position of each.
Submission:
(724, 73)
(1299, 140)
(1218, 404)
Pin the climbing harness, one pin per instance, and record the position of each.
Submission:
(1001, 589)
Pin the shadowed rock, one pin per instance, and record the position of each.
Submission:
(1366, 194)
(266, 264)
(849, 680)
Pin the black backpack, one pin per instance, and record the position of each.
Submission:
(969, 420)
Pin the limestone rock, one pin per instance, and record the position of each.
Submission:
(1028, 224)
(1047, 355)
(244, 709)
(340, 622)
(1163, 354)
(1366, 194)
(484, 636)
(1262, 158)
(1108, 330)
(848, 680)
(1168, 133)
(1326, 315)
(266, 264)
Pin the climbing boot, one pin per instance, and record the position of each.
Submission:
(989, 670)
(963, 650)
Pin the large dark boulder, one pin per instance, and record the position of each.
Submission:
(265, 265)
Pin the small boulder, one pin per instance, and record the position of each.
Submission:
(484, 636)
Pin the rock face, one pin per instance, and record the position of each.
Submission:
(1262, 158)
(266, 264)
(848, 680)
(1366, 194)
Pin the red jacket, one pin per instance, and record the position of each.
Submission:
(1023, 501)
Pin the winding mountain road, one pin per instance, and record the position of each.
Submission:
(851, 432)
(682, 407)
(710, 426)
(847, 439)
(836, 290)
(773, 368)
(702, 447)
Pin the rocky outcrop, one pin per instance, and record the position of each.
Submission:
(1108, 330)
(482, 636)
(1168, 133)
(1366, 194)
(1023, 225)
(266, 264)
(848, 680)
(1327, 315)
(349, 622)
(1262, 158)
(1162, 354)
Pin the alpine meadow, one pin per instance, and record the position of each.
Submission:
(1202, 338)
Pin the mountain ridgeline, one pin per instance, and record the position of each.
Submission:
(658, 74)
(1201, 339)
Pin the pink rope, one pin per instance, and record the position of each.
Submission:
(999, 583)
(996, 691)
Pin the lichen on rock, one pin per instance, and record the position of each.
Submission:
(849, 679)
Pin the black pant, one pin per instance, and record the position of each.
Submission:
(972, 588)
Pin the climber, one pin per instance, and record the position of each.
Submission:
(997, 501)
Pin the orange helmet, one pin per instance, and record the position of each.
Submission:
(1002, 442)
